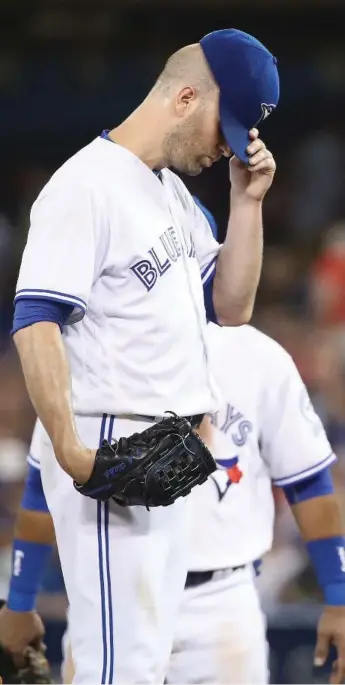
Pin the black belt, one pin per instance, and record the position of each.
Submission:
(195, 420)
(195, 578)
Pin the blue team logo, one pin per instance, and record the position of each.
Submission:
(233, 471)
(266, 110)
(167, 250)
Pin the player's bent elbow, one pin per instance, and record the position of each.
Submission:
(232, 308)
(234, 316)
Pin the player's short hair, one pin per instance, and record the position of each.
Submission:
(187, 66)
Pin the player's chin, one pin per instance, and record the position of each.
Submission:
(193, 169)
(200, 164)
(189, 167)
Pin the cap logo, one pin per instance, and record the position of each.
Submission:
(266, 110)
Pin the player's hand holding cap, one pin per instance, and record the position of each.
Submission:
(247, 76)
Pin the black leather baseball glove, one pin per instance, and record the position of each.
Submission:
(152, 468)
(34, 667)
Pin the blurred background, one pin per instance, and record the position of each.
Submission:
(68, 70)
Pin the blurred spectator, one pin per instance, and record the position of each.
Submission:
(327, 278)
(317, 169)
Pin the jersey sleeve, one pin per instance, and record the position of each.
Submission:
(33, 461)
(294, 444)
(206, 246)
(59, 258)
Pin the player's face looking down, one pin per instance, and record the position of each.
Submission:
(195, 140)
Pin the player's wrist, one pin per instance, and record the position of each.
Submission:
(79, 463)
(21, 603)
(334, 594)
(74, 458)
(29, 562)
(328, 558)
(240, 198)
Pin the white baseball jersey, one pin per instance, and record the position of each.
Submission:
(265, 431)
(129, 251)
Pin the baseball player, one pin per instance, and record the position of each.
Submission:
(109, 304)
(265, 430)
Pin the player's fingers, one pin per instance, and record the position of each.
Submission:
(259, 157)
(255, 146)
(338, 667)
(338, 672)
(253, 133)
(267, 164)
(321, 649)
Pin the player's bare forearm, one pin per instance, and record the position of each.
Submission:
(48, 381)
(240, 259)
(320, 522)
(319, 518)
(239, 263)
(35, 526)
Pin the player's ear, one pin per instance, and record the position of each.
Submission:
(185, 99)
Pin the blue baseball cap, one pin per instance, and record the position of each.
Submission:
(247, 76)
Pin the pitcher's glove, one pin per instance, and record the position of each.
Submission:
(152, 468)
(34, 669)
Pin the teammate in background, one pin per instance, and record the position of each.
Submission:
(266, 431)
(103, 270)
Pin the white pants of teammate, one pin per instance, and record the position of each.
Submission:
(221, 633)
(124, 570)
